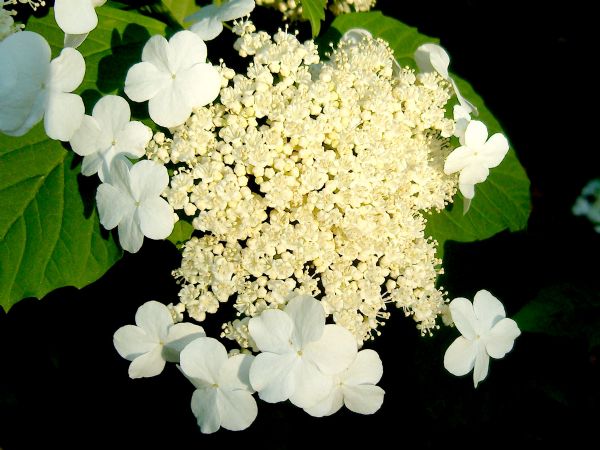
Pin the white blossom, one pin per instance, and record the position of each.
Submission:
(131, 200)
(174, 77)
(299, 352)
(208, 22)
(107, 135)
(462, 117)
(32, 87)
(223, 395)
(588, 203)
(476, 156)
(154, 340)
(485, 332)
(76, 18)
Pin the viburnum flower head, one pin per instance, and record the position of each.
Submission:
(223, 395)
(475, 157)
(154, 340)
(32, 87)
(209, 20)
(485, 332)
(174, 77)
(299, 353)
(108, 135)
(76, 18)
(131, 200)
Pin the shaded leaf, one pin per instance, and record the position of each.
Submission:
(314, 12)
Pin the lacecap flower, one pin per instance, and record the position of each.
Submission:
(76, 18)
(209, 20)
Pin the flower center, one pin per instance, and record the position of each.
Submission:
(173, 76)
(215, 385)
(299, 352)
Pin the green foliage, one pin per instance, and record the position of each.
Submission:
(182, 232)
(178, 10)
(314, 12)
(50, 235)
(503, 200)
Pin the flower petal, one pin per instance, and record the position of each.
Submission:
(132, 139)
(334, 352)
(459, 359)
(310, 384)
(203, 359)
(156, 218)
(329, 405)
(75, 16)
(432, 57)
(458, 159)
(473, 173)
(308, 317)
(144, 80)
(495, 150)
(131, 342)
(464, 317)
(235, 9)
(112, 113)
(111, 205)
(235, 373)
(66, 71)
(272, 331)
(156, 52)
(64, 113)
(186, 50)
(201, 82)
(85, 140)
(131, 237)
(364, 398)
(147, 365)
(178, 336)
(204, 407)
(366, 369)
(237, 409)
(501, 338)
(74, 40)
(154, 318)
(468, 192)
(207, 28)
(148, 180)
(488, 309)
(482, 361)
(169, 107)
(273, 376)
(475, 135)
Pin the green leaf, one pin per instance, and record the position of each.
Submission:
(50, 235)
(179, 9)
(314, 11)
(182, 232)
(503, 200)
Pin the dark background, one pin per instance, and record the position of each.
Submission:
(62, 384)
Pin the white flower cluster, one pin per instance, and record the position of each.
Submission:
(292, 9)
(311, 177)
(7, 23)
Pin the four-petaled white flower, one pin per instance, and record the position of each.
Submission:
(485, 332)
(131, 201)
(155, 339)
(76, 18)
(433, 58)
(354, 387)
(209, 20)
(223, 395)
(174, 77)
(32, 87)
(108, 135)
(299, 352)
(475, 157)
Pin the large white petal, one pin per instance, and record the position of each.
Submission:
(476, 135)
(75, 16)
(235, 9)
(204, 407)
(207, 28)
(92, 164)
(273, 376)
(473, 173)
(112, 113)
(85, 140)
(235, 373)
(495, 149)
(156, 218)
(131, 237)
(148, 179)
(488, 309)
(468, 192)
(147, 365)
(310, 384)
(367, 368)
(155, 318)
(203, 359)
(186, 50)
(458, 160)
(237, 409)
(501, 338)
(202, 83)
(308, 317)
(482, 361)
(131, 342)
(334, 351)
(144, 80)
(170, 107)
(363, 399)
(464, 317)
(329, 405)
(64, 113)
(459, 359)
(272, 331)
(178, 336)
(132, 139)
(112, 206)
(74, 40)
(66, 71)
(432, 57)
(157, 52)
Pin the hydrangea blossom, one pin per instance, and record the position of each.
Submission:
(32, 87)
(223, 395)
(108, 135)
(299, 353)
(354, 387)
(174, 77)
(76, 18)
(476, 156)
(209, 20)
(154, 340)
(485, 332)
(131, 200)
